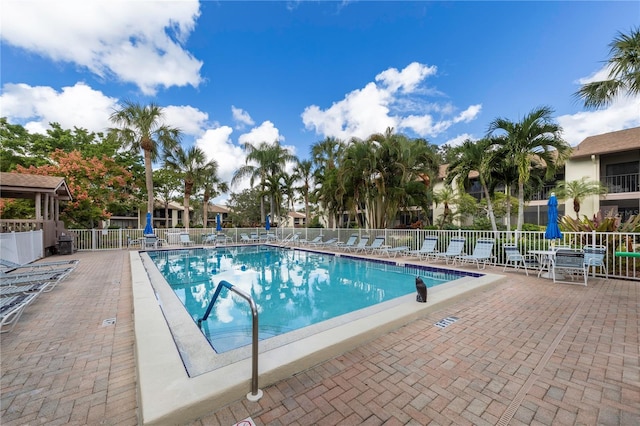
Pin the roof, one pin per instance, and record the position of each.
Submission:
(296, 215)
(217, 208)
(23, 185)
(606, 143)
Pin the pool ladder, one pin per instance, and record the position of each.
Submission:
(255, 393)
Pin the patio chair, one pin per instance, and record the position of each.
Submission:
(568, 263)
(351, 241)
(376, 245)
(428, 248)
(361, 246)
(209, 239)
(9, 266)
(482, 252)
(454, 249)
(595, 257)
(11, 309)
(51, 278)
(516, 259)
(185, 240)
(393, 251)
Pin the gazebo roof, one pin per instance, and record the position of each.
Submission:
(20, 185)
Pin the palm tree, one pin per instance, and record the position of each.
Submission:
(303, 172)
(141, 128)
(534, 139)
(212, 186)
(326, 155)
(191, 165)
(478, 157)
(287, 186)
(578, 190)
(624, 72)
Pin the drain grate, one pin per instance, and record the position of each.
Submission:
(246, 422)
(108, 322)
(446, 321)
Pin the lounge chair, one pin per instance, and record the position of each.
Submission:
(316, 240)
(376, 245)
(12, 266)
(209, 239)
(595, 257)
(51, 278)
(351, 241)
(185, 240)
(14, 290)
(11, 309)
(330, 242)
(361, 246)
(482, 252)
(515, 259)
(428, 248)
(291, 239)
(454, 249)
(393, 251)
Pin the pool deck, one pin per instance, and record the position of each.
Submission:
(526, 351)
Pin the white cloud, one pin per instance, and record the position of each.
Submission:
(133, 41)
(36, 106)
(241, 117)
(622, 113)
(266, 132)
(458, 140)
(191, 121)
(398, 101)
(217, 145)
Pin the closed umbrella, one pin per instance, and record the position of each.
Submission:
(553, 230)
(267, 225)
(148, 229)
(218, 223)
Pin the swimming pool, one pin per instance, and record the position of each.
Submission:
(180, 377)
(291, 288)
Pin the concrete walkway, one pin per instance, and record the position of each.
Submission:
(527, 352)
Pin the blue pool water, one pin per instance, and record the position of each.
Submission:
(291, 288)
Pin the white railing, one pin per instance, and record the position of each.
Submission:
(621, 267)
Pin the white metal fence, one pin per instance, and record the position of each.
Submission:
(618, 266)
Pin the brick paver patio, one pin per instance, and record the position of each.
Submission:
(526, 352)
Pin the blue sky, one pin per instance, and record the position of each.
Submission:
(230, 72)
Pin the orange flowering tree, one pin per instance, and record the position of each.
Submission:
(96, 185)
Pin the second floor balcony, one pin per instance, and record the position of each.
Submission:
(617, 184)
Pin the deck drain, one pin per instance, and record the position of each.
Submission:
(108, 321)
(446, 321)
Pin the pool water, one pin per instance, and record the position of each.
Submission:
(292, 289)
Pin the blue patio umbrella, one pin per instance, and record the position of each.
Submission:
(148, 229)
(218, 223)
(553, 231)
(267, 225)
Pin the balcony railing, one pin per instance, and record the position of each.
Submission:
(617, 184)
(543, 194)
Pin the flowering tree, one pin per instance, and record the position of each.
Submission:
(95, 184)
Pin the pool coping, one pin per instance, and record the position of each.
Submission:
(166, 393)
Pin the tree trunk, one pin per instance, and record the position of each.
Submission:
(148, 177)
(520, 208)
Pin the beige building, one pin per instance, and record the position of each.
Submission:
(611, 158)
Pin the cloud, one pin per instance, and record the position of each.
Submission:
(241, 117)
(266, 132)
(218, 146)
(35, 107)
(191, 121)
(396, 99)
(622, 113)
(458, 140)
(132, 41)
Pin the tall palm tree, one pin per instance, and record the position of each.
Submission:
(326, 155)
(534, 139)
(303, 172)
(141, 128)
(262, 162)
(288, 188)
(624, 72)
(191, 165)
(474, 156)
(212, 187)
(578, 190)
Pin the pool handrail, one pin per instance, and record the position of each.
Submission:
(255, 393)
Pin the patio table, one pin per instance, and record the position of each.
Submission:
(545, 260)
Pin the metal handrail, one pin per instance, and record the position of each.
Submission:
(255, 393)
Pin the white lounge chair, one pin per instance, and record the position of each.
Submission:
(376, 245)
(185, 240)
(428, 248)
(9, 266)
(351, 241)
(361, 246)
(482, 253)
(393, 251)
(454, 249)
(11, 309)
